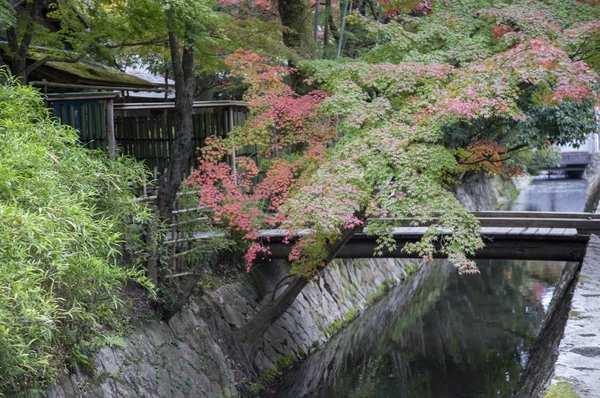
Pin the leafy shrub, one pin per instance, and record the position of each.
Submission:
(62, 209)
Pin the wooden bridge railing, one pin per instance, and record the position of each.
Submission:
(507, 235)
(583, 223)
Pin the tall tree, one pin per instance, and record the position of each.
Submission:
(296, 16)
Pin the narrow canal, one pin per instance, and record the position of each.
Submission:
(441, 335)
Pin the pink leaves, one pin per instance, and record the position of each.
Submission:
(491, 88)
(253, 252)
(280, 117)
(242, 199)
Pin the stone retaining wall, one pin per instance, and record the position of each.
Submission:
(195, 355)
(578, 365)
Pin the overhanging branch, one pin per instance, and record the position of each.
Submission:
(50, 58)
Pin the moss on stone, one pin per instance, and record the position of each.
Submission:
(563, 389)
(340, 323)
(410, 269)
(285, 362)
(383, 289)
(333, 327)
(267, 378)
(350, 315)
(509, 192)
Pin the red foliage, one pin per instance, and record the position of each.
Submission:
(591, 3)
(486, 155)
(281, 119)
(501, 30)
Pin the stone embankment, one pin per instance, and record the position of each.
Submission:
(577, 369)
(576, 372)
(196, 355)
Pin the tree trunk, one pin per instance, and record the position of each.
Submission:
(183, 73)
(186, 291)
(326, 32)
(253, 331)
(344, 12)
(295, 15)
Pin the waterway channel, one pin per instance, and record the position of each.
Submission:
(441, 335)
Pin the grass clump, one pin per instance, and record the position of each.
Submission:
(285, 362)
(267, 378)
(62, 230)
(340, 323)
(383, 289)
(333, 327)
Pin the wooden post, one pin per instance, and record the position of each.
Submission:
(151, 233)
(110, 128)
(234, 167)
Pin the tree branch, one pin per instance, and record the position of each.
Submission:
(518, 148)
(50, 58)
(138, 43)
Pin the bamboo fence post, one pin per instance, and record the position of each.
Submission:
(110, 128)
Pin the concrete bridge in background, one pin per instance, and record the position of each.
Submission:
(573, 161)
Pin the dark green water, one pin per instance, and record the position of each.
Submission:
(440, 334)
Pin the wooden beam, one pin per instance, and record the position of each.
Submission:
(527, 222)
(110, 124)
(535, 214)
(552, 248)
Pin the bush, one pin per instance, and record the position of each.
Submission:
(61, 231)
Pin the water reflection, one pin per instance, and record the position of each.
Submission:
(552, 194)
(440, 335)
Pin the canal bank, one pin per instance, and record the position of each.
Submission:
(577, 369)
(196, 354)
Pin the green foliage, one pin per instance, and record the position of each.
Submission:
(381, 291)
(267, 378)
(198, 24)
(62, 212)
(448, 36)
(533, 161)
(7, 14)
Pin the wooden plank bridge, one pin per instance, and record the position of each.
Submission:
(507, 235)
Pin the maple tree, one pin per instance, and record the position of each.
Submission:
(436, 89)
(376, 141)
